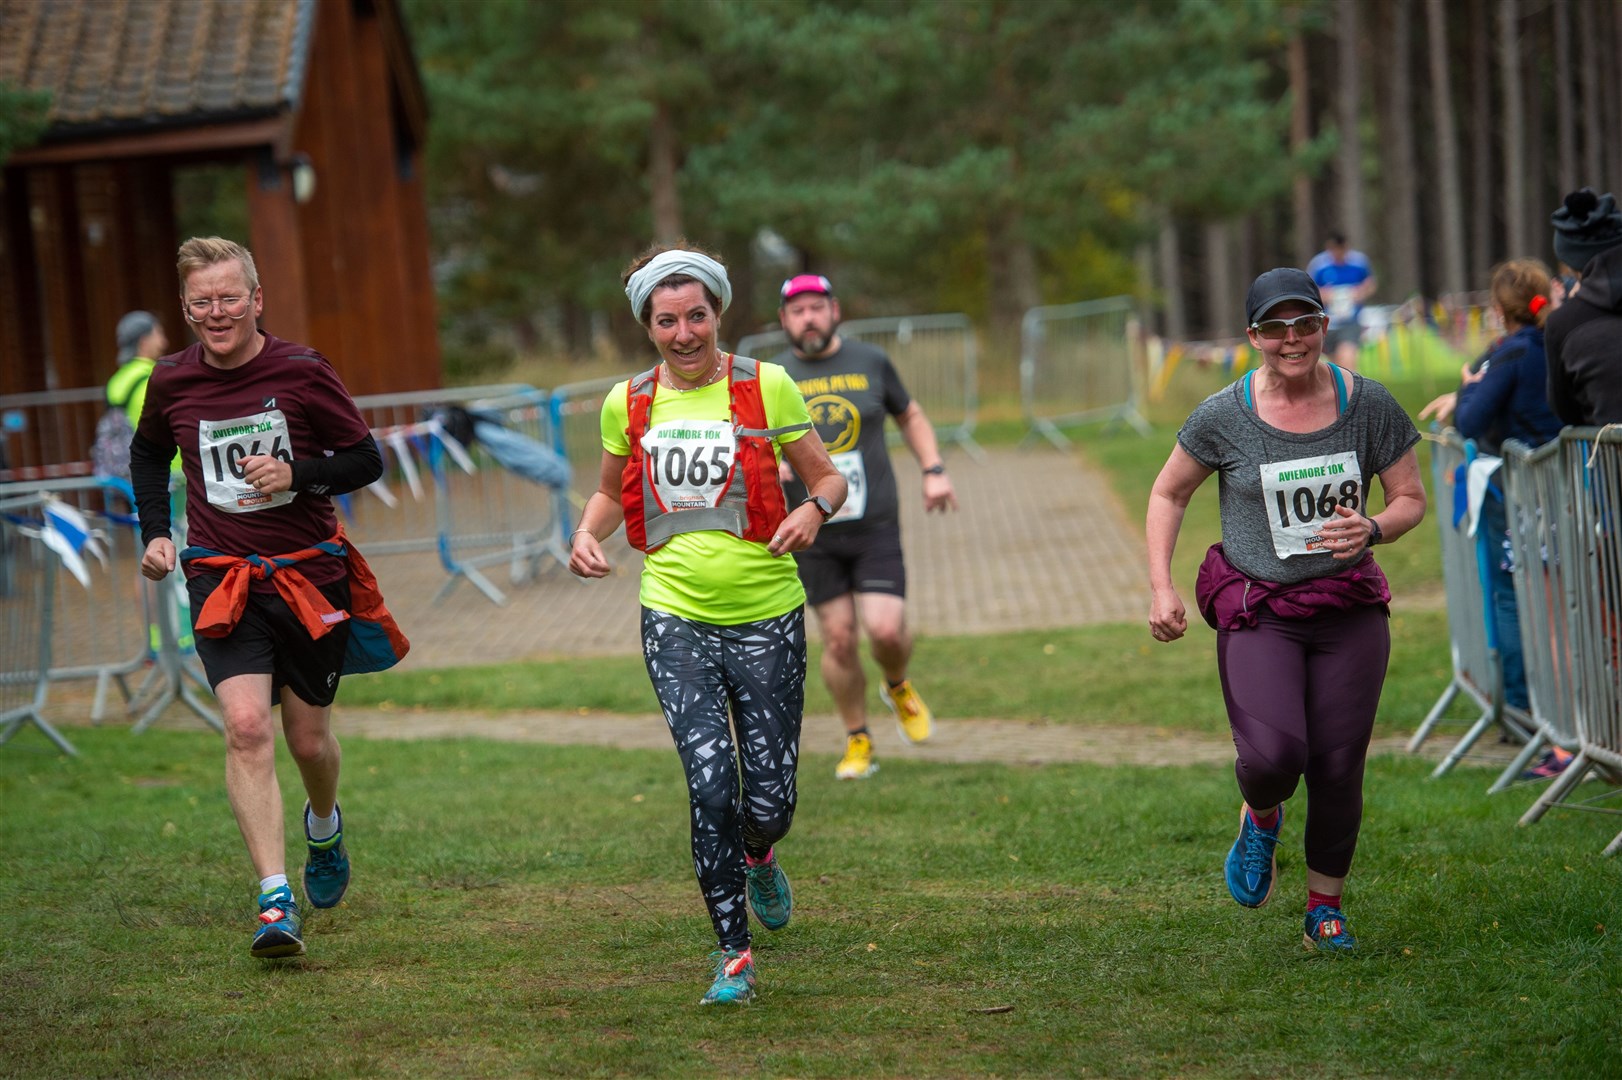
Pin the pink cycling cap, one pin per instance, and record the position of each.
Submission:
(804, 283)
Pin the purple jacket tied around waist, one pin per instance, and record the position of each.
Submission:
(1231, 601)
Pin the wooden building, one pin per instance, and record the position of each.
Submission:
(293, 93)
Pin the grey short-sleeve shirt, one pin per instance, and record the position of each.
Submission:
(1278, 488)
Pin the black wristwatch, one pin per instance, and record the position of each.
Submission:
(1374, 532)
(824, 507)
(937, 469)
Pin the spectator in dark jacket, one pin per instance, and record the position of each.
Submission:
(1503, 397)
(1504, 393)
(1584, 337)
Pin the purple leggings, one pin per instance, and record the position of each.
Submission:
(1301, 696)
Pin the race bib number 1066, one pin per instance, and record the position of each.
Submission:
(222, 444)
(1301, 496)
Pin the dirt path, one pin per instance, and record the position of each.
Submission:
(1012, 742)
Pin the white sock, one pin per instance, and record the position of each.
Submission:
(321, 828)
(272, 883)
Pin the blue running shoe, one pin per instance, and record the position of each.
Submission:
(279, 925)
(326, 870)
(734, 978)
(770, 897)
(1251, 862)
(1326, 930)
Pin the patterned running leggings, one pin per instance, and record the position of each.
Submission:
(756, 672)
(1301, 696)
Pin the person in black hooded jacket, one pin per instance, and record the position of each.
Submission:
(1583, 336)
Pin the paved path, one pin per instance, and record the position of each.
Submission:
(1040, 542)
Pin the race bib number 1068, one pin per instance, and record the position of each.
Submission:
(1301, 496)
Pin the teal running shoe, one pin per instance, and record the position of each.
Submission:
(1326, 931)
(770, 897)
(279, 925)
(326, 870)
(734, 978)
(1252, 862)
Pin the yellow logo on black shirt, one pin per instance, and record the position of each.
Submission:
(838, 423)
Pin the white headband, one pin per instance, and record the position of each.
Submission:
(692, 263)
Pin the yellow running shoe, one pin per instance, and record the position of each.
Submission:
(858, 763)
(912, 716)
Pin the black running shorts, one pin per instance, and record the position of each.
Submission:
(270, 640)
(845, 560)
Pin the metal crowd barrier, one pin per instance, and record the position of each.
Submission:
(1076, 367)
(937, 357)
(27, 597)
(1591, 550)
(427, 501)
(1472, 635)
(1536, 502)
(765, 345)
(577, 435)
(48, 434)
(123, 625)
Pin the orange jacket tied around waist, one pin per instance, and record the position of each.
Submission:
(375, 640)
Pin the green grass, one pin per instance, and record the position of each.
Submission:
(523, 909)
(1113, 675)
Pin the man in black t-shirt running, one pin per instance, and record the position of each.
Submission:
(853, 574)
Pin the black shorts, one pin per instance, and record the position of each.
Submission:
(270, 640)
(847, 560)
(1351, 332)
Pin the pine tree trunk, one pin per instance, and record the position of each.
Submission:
(1513, 121)
(1613, 177)
(665, 200)
(1349, 164)
(1012, 269)
(1538, 165)
(1306, 219)
(1448, 193)
(1481, 128)
(1588, 45)
(1401, 214)
(1219, 290)
(1171, 281)
(1565, 123)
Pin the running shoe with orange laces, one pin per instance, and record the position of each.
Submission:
(734, 978)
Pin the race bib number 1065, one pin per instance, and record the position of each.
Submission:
(690, 462)
(1301, 496)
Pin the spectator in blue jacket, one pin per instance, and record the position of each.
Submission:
(1505, 396)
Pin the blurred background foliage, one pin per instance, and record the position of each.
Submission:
(987, 156)
(975, 155)
(22, 118)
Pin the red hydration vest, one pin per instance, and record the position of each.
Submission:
(751, 506)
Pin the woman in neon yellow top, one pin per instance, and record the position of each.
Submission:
(690, 451)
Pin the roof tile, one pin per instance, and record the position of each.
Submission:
(106, 61)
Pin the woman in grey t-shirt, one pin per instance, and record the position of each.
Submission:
(1297, 600)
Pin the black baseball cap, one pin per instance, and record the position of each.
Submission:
(1278, 285)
